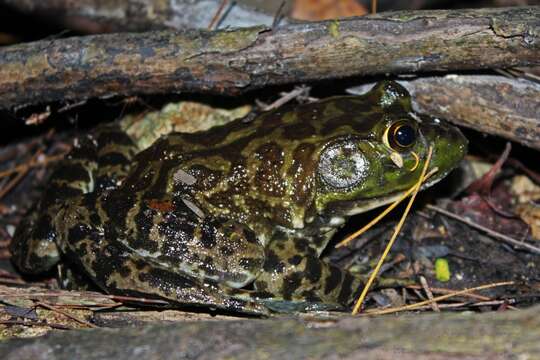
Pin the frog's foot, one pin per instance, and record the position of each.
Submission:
(294, 273)
(299, 306)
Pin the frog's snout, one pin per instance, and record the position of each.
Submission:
(449, 146)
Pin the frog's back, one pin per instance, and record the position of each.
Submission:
(326, 118)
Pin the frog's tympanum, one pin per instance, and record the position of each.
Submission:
(235, 217)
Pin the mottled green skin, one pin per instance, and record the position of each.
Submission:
(235, 217)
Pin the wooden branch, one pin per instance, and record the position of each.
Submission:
(495, 105)
(443, 336)
(491, 104)
(230, 62)
(99, 16)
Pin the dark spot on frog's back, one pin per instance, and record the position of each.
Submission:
(80, 232)
(144, 221)
(295, 260)
(366, 121)
(299, 131)
(249, 236)
(226, 251)
(162, 180)
(302, 166)
(117, 205)
(272, 262)
(206, 178)
(214, 136)
(362, 123)
(139, 264)
(268, 177)
(301, 245)
(207, 265)
(250, 264)
(208, 234)
(124, 271)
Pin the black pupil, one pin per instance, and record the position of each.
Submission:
(405, 135)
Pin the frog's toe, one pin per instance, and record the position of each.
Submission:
(285, 306)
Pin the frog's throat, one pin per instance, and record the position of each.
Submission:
(370, 204)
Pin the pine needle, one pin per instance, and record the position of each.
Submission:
(392, 206)
(439, 298)
(375, 271)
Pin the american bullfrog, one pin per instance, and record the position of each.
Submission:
(235, 217)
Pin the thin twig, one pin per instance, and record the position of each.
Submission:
(391, 207)
(10, 185)
(11, 281)
(468, 305)
(217, 17)
(35, 323)
(429, 294)
(71, 106)
(20, 175)
(66, 314)
(278, 16)
(373, 6)
(31, 164)
(450, 291)
(286, 97)
(373, 275)
(76, 294)
(38, 118)
(492, 233)
(439, 298)
(7, 274)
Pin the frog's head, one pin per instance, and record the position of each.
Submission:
(381, 152)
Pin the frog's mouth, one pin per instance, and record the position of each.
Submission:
(364, 205)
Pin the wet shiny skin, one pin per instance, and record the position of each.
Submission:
(235, 217)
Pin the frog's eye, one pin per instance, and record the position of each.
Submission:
(343, 165)
(400, 136)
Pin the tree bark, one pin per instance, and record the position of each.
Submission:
(491, 104)
(235, 61)
(99, 16)
(433, 336)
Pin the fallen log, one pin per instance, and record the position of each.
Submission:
(235, 61)
(491, 104)
(433, 336)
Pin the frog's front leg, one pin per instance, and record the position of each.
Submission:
(293, 271)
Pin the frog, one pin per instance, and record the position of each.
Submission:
(236, 217)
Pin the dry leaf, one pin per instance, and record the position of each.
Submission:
(530, 213)
(524, 189)
(314, 10)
